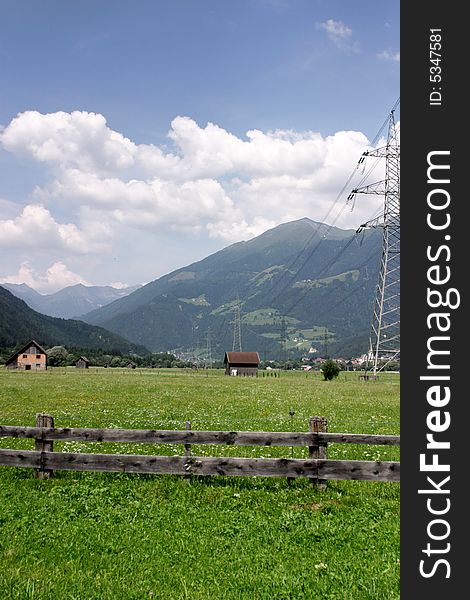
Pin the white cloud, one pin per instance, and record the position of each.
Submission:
(214, 152)
(79, 140)
(56, 277)
(386, 55)
(142, 204)
(216, 182)
(339, 33)
(35, 227)
(239, 229)
(105, 192)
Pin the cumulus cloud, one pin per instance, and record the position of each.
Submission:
(212, 151)
(103, 188)
(56, 277)
(79, 139)
(36, 227)
(143, 204)
(213, 181)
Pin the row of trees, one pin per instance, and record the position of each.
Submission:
(60, 356)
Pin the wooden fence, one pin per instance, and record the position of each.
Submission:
(317, 467)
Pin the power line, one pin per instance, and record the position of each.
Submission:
(237, 321)
(373, 188)
(322, 271)
(329, 227)
(331, 307)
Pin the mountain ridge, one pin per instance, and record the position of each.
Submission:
(285, 272)
(70, 302)
(299, 285)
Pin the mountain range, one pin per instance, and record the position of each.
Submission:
(298, 286)
(71, 302)
(301, 287)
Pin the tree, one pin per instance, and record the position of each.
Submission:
(330, 370)
(57, 356)
(117, 361)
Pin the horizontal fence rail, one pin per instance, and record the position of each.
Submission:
(317, 467)
(169, 436)
(180, 465)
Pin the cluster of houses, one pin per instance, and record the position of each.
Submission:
(348, 365)
(33, 357)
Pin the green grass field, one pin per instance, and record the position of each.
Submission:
(115, 536)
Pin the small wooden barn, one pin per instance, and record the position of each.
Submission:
(82, 362)
(31, 357)
(241, 363)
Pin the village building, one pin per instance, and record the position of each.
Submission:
(82, 362)
(241, 363)
(31, 357)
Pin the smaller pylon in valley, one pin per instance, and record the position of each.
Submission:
(209, 350)
(283, 341)
(237, 329)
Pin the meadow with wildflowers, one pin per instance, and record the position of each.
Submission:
(123, 536)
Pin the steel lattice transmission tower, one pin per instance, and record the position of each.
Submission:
(237, 329)
(384, 345)
(283, 341)
(208, 364)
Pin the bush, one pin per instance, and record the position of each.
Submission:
(330, 370)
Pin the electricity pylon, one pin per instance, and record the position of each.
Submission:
(209, 350)
(237, 329)
(384, 344)
(283, 341)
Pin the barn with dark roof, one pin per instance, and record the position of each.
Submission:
(241, 363)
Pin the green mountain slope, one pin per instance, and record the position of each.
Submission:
(309, 274)
(19, 323)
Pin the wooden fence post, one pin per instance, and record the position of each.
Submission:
(319, 450)
(187, 453)
(292, 413)
(43, 420)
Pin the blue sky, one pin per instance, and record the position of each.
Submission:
(137, 137)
